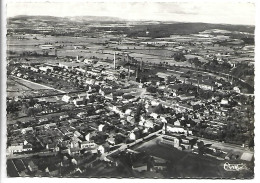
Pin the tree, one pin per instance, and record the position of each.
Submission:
(159, 109)
(200, 145)
(179, 57)
(251, 142)
(151, 89)
(139, 110)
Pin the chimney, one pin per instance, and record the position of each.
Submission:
(129, 72)
(137, 72)
(164, 128)
(198, 86)
(142, 66)
(114, 60)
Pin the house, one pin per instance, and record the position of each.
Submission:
(159, 166)
(100, 127)
(236, 89)
(101, 149)
(185, 146)
(79, 102)
(111, 140)
(46, 68)
(142, 118)
(184, 97)
(173, 90)
(224, 101)
(92, 149)
(66, 98)
(15, 148)
(110, 96)
(80, 70)
(81, 114)
(75, 142)
(90, 81)
(154, 115)
(52, 146)
(154, 103)
(72, 120)
(206, 85)
(177, 123)
(177, 129)
(65, 143)
(145, 130)
(25, 130)
(128, 112)
(89, 134)
(62, 117)
(32, 167)
(43, 120)
(163, 75)
(83, 95)
(67, 65)
(27, 147)
(130, 119)
(87, 144)
(34, 69)
(147, 123)
(74, 151)
(171, 140)
(104, 91)
(116, 109)
(77, 134)
(132, 136)
(50, 125)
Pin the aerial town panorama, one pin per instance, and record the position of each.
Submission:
(106, 97)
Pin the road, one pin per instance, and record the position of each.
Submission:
(16, 156)
(125, 146)
(121, 148)
(225, 145)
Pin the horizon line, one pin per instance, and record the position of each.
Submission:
(133, 20)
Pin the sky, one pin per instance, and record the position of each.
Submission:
(209, 12)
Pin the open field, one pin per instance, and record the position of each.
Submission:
(41, 39)
(22, 87)
(11, 170)
(186, 164)
(155, 52)
(12, 85)
(31, 85)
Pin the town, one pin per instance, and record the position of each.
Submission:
(122, 99)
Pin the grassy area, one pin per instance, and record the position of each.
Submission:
(19, 165)
(14, 86)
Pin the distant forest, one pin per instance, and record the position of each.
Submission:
(163, 29)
